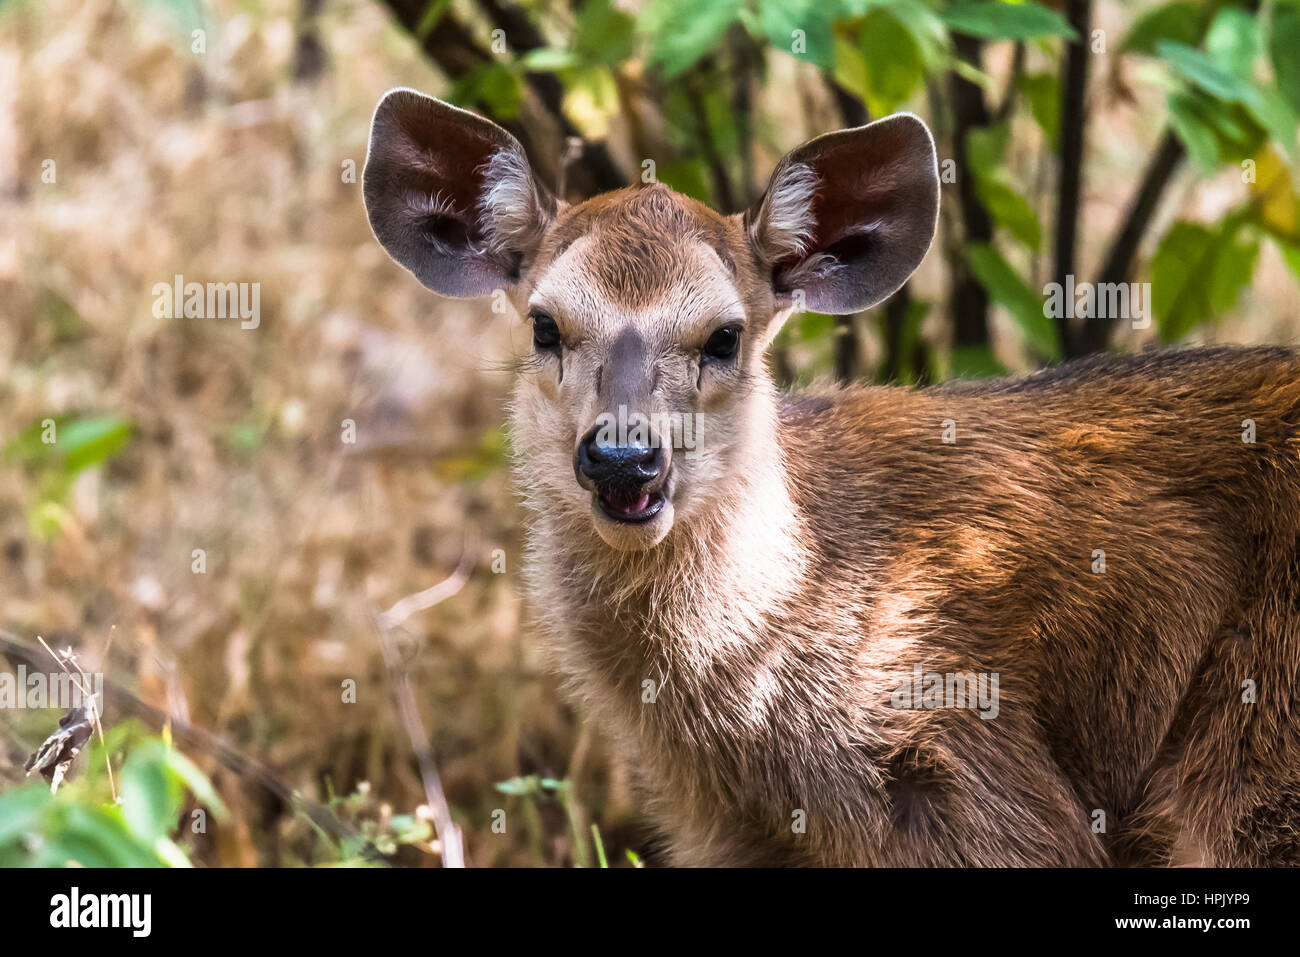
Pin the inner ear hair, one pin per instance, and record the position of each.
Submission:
(849, 215)
(783, 228)
(451, 196)
(513, 208)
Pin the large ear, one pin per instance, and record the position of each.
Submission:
(849, 215)
(451, 196)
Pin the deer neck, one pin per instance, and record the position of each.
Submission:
(705, 594)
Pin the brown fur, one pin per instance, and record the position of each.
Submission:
(742, 649)
(1120, 691)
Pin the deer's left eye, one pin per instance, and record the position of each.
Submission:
(546, 334)
(722, 345)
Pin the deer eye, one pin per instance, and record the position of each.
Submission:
(722, 345)
(546, 334)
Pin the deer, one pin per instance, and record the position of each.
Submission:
(1050, 620)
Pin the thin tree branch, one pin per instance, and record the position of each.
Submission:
(1118, 266)
(970, 301)
(1003, 112)
(746, 61)
(853, 113)
(723, 196)
(1074, 82)
(522, 37)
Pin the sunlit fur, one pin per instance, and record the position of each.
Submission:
(824, 546)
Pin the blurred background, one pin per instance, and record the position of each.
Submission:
(292, 550)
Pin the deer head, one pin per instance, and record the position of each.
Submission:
(645, 402)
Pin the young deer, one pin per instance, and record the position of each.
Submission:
(775, 622)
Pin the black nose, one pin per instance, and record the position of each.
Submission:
(620, 468)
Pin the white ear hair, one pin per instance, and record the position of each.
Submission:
(509, 207)
(784, 227)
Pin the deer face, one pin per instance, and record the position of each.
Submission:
(644, 403)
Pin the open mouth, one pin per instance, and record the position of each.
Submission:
(632, 509)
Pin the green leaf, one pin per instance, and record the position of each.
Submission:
(150, 798)
(689, 177)
(893, 61)
(604, 34)
(1234, 41)
(495, 86)
(21, 812)
(1006, 288)
(801, 28)
(810, 327)
(683, 31)
(548, 59)
(432, 14)
(850, 70)
(189, 774)
(1284, 50)
(985, 147)
(518, 786)
(1274, 205)
(78, 443)
(1198, 69)
(1010, 210)
(1006, 21)
(1190, 126)
(1043, 91)
(88, 442)
(1197, 274)
(1266, 107)
(1291, 253)
(1180, 21)
(975, 362)
(90, 838)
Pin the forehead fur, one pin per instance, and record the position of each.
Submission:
(643, 239)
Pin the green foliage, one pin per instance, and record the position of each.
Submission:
(996, 20)
(82, 826)
(893, 63)
(375, 833)
(1182, 21)
(1043, 92)
(1026, 305)
(1198, 272)
(54, 452)
(533, 789)
(475, 464)
(1284, 51)
(683, 31)
(1231, 72)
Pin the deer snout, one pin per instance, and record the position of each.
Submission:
(626, 475)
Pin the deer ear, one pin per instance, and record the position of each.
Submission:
(849, 215)
(451, 196)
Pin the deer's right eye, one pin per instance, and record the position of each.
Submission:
(546, 334)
